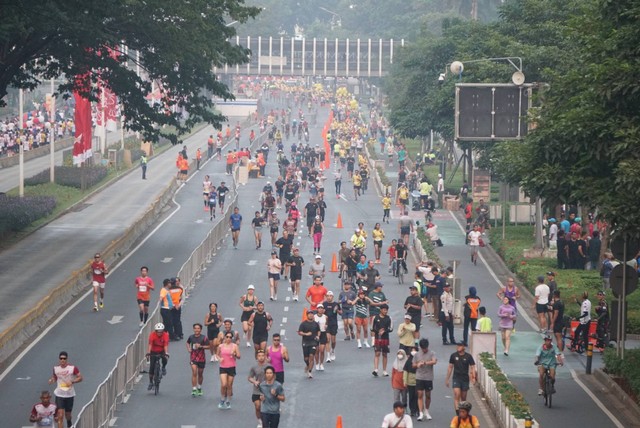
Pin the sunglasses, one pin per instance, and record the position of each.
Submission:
(63, 358)
(228, 337)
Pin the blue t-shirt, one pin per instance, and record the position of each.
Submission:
(565, 225)
(547, 357)
(271, 404)
(236, 219)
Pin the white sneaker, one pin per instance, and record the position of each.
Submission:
(213, 358)
(333, 356)
(420, 416)
(359, 344)
(140, 324)
(328, 358)
(366, 343)
(317, 366)
(259, 424)
(428, 415)
(540, 391)
(295, 297)
(321, 368)
(248, 344)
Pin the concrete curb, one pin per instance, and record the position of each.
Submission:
(613, 388)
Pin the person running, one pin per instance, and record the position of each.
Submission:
(347, 298)
(255, 378)
(144, 285)
(473, 238)
(376, 299)
(98, 272)
(378, 235)
(331, 309)
(213, 200)
(321, 318)
(271, 395)
(278, 354)
(274, 266)
(295, 263)
(248, 303)
(228, 355)
(222, 193)
(43, 414)
(257, 223)
(316, 293)
(227, 328)
(207, 185)
(381, 326)
(196, 345)
(386, 208)
(405, 225)
(274, 228)
(284, 244)
(423, 362)
(507, 316)
(309, 329)
(397, 418)
(260, 322)
(463, 368)
(511, 291)
(235, 221)
(318, 229)
(158, 350)
(464, 419)
(213, 321)
(65, 375)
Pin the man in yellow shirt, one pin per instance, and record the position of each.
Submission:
(386, 207)
(357, 182)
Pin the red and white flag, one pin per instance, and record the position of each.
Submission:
(82, 146)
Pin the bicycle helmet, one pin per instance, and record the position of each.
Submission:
(159, 326)
(464, 405)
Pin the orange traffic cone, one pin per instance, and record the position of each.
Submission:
(339, 422)
(334, 263)
(339, 223)
(304, 314)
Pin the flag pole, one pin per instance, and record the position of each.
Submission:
(103, 134)
(21, 156)
(53, 132)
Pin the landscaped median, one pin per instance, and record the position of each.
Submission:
(508, 405)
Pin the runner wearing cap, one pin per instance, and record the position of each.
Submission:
(376, 299)
(347, 299)
(274, 265)
(317, 268)
(331, 309)
(248, 304)
(295, 263)
(406, 330)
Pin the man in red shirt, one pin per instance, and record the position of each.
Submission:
(316, 293)
(144, 285)
(158, 349)
(98, 272)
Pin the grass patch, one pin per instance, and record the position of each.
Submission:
(571, 283)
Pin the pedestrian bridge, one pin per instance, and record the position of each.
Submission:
(315, 57)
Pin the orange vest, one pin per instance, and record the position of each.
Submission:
(176, 295)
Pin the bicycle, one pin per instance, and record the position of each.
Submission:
(157, 370)
(398, 270)
(548, 390)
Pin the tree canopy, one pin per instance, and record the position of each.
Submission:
(179, 43)
(584, 148)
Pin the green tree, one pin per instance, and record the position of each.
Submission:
(179, 43)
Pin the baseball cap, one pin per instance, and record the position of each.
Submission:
(329, 293)
(273, 252)
(600, 293)
(377, 284)
(251, 287)
(407, 316)
(413, 286)
(320, 306)
(357, 230)
(318, 256)
(551, 273)
(547, 337)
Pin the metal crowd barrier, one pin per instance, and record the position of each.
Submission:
(98, 412)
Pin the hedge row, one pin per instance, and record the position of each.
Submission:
(70, 176)
(17, 213)
(513, 399)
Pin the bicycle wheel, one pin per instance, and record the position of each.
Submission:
(157, 376)
(548, 390)
(400, 275)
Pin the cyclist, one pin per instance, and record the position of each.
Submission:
(158, 349)
(464, 419)
(547, 357)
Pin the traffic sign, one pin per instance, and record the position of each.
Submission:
(616, 280)
(617, 247)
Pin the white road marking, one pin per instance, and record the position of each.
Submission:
(342, 197)
(187, 426)
(56, 321)
(199, 221)
(521, 312)
(166, 260)
(287, 299)
(24, 378)
(112, 421)
(284, 320)
(125, 399)
(116, 319)
(286, 309)
(282, 332)
(251, 262)
(595, 400)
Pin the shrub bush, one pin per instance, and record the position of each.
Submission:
(17, 213)
(70, 176)
(516, 403)
(629, 368)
